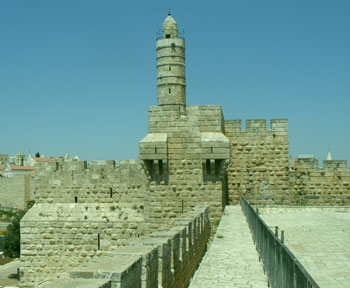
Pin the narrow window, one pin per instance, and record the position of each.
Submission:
(160, 163)
(169, 90)
(167, 35)
(169, 68)
(76, 199)
(155, 150)
(208, 167)
(98, 242)
(110, 192)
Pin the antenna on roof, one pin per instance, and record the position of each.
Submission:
(169, 12)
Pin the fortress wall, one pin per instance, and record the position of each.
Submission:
(102, 182)
(259, 155)
(164, 202)
(314, 186)
(203, 118)
(15, 192)
(165, 258)
(261, 172)
(183, 185)
(57, 237)
(335, 164)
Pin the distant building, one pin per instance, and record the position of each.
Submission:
(32, 161)
(9, 171)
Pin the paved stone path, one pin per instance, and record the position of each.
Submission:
(232, 260)
(320, 240)
(6, 274)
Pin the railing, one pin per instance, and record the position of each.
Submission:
(281, 266)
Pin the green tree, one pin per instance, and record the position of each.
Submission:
(11, 244)
(37, 154)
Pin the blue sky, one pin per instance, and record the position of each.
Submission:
(77, 76)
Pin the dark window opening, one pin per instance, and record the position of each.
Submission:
(160, 162)
(217, 167)
(167, 35)
(76, 199)
(169, 68)
(98, 242)
(208, 166)
(213, 169)
(158, 170)
(110, 192)
(169, 90)
(155, 150)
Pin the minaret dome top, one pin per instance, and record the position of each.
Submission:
(169, 27)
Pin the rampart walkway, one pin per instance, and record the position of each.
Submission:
(319, 238)
(232, 260)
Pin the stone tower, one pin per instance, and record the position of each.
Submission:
(171, 81)
(185, 151)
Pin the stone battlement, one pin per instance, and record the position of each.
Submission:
(100, 182)
(311, 164)
(253, 125)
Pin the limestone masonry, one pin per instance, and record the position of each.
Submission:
(146, 222)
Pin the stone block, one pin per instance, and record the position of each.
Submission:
(123, 270)
(77, 283)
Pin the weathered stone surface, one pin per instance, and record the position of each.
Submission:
(319, 238)
(77, 283)
(232, 259)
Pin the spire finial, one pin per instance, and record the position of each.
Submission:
(169, 12)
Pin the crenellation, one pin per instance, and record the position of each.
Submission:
(335, 164)
(256, 125)
(279, 125)
(311, 185)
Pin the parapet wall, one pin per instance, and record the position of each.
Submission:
(100, 182)
(277, 126)
(311, 185)
(56, 237)
(166, 258)
(259, 161)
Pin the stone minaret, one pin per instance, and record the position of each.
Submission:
(171, 81)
